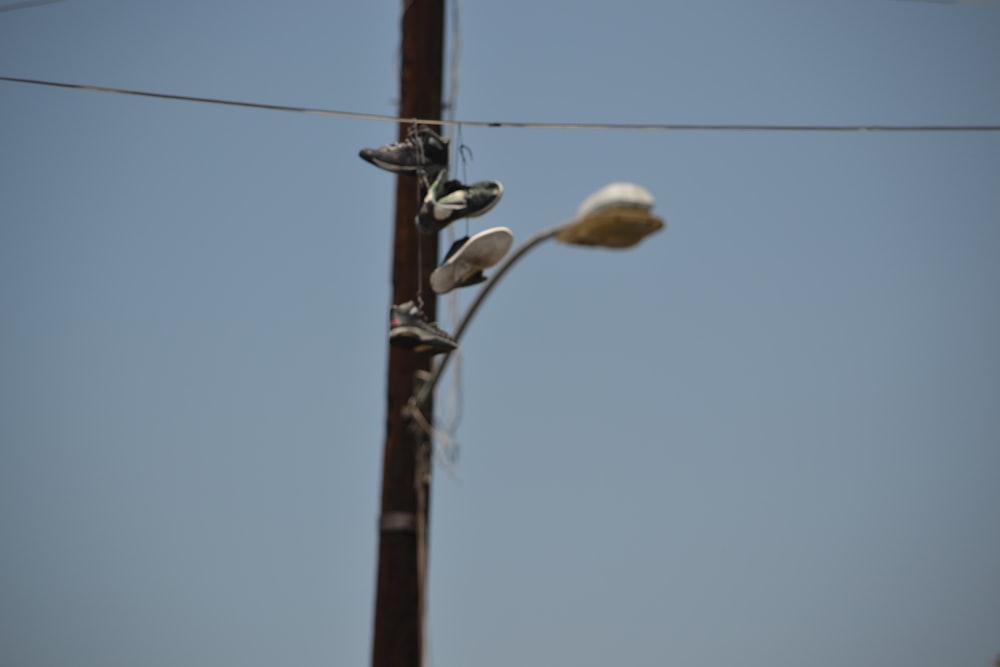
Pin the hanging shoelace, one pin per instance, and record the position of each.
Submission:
(422, 187)
(463, 150)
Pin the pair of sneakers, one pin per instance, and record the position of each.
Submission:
(425, 152)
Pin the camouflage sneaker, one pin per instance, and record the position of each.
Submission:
(424, 150)
(409, 329)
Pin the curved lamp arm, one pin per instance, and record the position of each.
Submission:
(427, 388)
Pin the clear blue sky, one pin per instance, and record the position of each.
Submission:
(768, 436)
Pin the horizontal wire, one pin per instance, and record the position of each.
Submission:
(516, 124)
(26, 4)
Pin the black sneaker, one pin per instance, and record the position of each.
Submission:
(447, 201)
(468, 256)
(423, 150)
(474, 279)
(409, 329)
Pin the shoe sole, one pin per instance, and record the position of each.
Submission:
(412, 338)
(401, 169)
(480, 252)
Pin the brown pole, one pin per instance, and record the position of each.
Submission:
(399, 600)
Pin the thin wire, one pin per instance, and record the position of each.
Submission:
(446, 440)
(454, 62)
(983, 3)
(26, 4)
(466, 154)
(421, 182)
(463, 150)
(675, 127)
(421, 422)
(420, 272)
(422, 482)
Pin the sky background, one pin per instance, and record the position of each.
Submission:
(769, 435)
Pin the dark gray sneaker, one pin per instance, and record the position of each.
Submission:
(409, 329)
(447, 201)
(424, 150)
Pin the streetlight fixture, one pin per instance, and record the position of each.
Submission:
(619, 216)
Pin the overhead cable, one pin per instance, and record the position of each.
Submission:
(746, 127)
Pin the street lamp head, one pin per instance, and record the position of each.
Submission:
(616, 216)
(613, 228)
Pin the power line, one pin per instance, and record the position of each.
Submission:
(737, 127)
(26, 4)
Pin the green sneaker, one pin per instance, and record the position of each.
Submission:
(447, 201)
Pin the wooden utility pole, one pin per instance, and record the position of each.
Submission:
(402, 555)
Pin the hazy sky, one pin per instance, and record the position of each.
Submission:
(769, 435)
